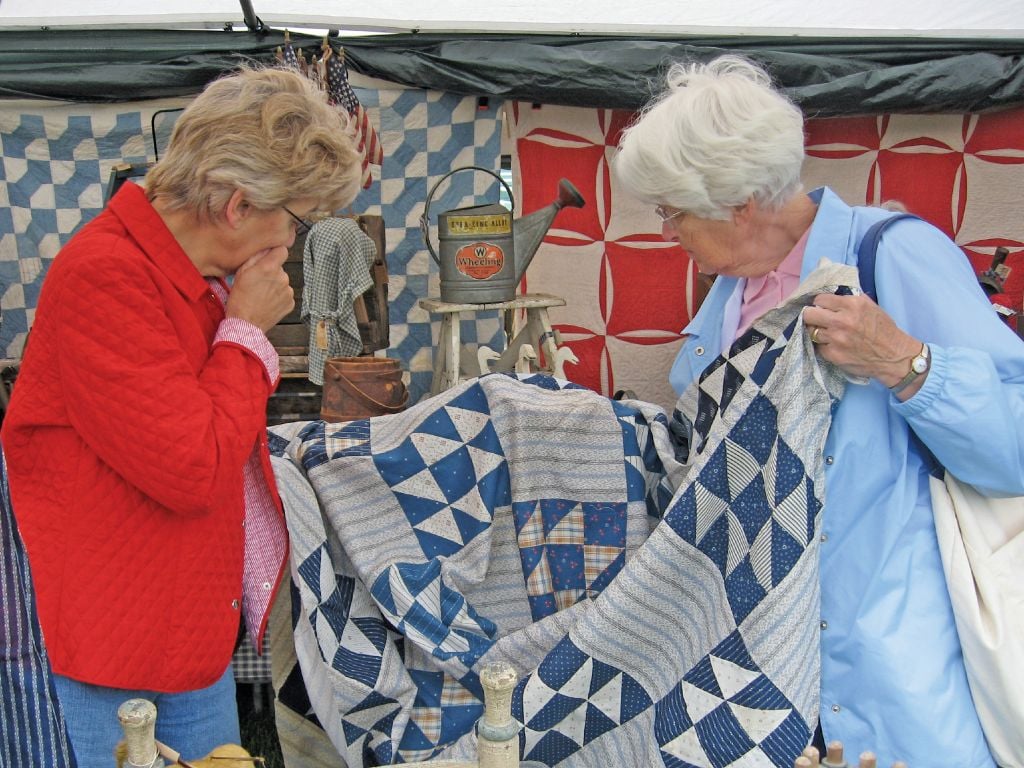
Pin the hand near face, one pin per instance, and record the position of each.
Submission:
(856, 334)
(260, 292)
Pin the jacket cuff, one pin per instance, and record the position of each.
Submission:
(244, 334)
(933, 386)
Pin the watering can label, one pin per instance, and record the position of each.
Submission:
(498, 224)
(479, 260)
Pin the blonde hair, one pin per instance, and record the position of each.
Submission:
(718, 136)
(267, 132)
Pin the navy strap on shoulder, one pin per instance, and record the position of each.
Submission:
(866, 269)
(867, 249)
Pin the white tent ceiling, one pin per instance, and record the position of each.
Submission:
(856, 18)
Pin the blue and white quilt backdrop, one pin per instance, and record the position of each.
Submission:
(425, 135)
(56, 165)
(56, 162)
(658, 612)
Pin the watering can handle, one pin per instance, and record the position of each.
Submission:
(425, 218)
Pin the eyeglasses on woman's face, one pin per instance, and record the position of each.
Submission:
(302, 226)
(666, 213)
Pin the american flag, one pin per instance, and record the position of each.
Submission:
(288, 54)
(340, 93)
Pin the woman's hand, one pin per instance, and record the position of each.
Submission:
(260, 292)
(857, 335)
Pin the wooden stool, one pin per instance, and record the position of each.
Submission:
(536, 331)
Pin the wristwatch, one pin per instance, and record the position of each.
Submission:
(919, 364)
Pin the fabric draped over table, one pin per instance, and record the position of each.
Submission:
(658, 612)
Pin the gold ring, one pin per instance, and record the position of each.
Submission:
(814, 334)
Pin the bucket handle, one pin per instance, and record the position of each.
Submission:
(359, 394)
(425, 218)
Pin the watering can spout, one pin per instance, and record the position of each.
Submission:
(530, 230)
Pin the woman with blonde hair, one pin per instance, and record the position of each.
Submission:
(136, 439)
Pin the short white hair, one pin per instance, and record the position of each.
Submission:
(717, 137)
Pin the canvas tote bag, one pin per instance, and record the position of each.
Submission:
(981, 541)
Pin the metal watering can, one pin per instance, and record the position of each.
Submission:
(484, 253)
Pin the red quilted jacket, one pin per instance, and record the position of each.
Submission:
(125, 439)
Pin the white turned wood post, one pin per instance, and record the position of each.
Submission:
(138, 721)
(498, 732)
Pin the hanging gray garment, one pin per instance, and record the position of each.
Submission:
(336, 264)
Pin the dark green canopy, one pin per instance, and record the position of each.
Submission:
(825, 76)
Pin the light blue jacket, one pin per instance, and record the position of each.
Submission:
(893, 679)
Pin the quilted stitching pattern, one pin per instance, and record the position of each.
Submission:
(126, 439)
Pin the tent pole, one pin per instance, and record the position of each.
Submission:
(252, 22)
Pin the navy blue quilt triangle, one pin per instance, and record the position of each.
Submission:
(702, 675)
(552, 748)
(487, 440)
(338, 604)
(757, 429)
(469, 526)
(358, 666)
(373, 699)
(309, 572)
(414, 739)
(553, 510)
(452, 476)
(418, 576)
(436, 546)
(671, 717)
(557, 708)
(789, 471)
(633, 699)
(597, 723)
(600, 675)
(352, 732)
(561, 664)
(373, 630)
(440, 424)
(418, 508)
(399, 463)
(682, 516)
(472, 399)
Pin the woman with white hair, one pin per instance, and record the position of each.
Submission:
(719, 155)
(136, 435)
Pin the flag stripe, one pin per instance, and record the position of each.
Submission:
(341, 93)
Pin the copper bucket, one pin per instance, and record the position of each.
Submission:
(360, 387)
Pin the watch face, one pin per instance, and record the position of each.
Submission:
(919, 364)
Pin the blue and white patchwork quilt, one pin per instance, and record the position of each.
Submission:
(659, 601)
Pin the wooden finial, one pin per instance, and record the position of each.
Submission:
(834, 755)
(812, 754)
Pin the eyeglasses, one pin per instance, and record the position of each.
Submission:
(302, 226)
(665, 214)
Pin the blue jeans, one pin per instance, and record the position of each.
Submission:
(193, 722)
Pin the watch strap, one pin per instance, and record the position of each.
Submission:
(912, 374)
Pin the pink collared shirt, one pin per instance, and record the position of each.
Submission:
(266, 537)
(766, 292)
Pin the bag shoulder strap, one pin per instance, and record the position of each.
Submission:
(869, 247)
(866, 269)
